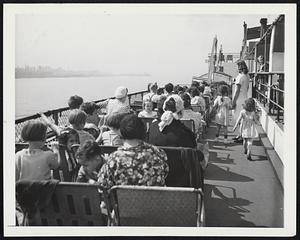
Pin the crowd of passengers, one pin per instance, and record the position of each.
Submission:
(135, 162)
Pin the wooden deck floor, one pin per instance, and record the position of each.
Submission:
(239, 192)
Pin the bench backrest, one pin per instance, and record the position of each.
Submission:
(184, 167)
(158, 206)
(189, 123)
(73, 204)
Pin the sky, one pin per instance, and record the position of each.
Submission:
(165, 46)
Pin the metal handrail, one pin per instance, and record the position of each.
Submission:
(58, 110)
(60, 115)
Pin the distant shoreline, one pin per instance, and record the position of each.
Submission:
(82, 75)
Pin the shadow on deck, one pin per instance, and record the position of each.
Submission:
(239, 192)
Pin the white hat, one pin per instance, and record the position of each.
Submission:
(121, 92)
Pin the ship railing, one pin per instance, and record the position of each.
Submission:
(60, 116)
(268, 89)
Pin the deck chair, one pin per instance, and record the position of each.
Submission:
(184, 167)
(158, 206)
(73, 204)
(189, 124)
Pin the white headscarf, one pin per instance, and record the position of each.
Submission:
(168, 116)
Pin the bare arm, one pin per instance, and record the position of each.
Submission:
(53, 126)
(237, 122)
(236, 95)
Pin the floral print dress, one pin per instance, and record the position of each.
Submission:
(144, 165)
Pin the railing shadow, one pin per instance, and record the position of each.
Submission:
(223, 211)
(214, 172)
(214, 159)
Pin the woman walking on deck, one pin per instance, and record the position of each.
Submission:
(240, 94)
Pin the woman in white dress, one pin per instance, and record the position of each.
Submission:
(240, 94)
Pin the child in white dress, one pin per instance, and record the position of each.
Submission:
(147, 112)
(223, 104)
(248, 119)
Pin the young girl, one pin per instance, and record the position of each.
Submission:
(90, 158)
(69, 138)
(34, 163)
(112, 137)
(147, 112)
(223, 104)
(248, 118)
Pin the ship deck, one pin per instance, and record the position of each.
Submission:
(239, 192)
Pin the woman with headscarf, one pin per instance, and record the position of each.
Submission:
(169, 131)
(240, 93)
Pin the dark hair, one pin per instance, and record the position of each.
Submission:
(89, 107)
(65, 134)
(34, 131)
(75, 102)
(94, 132)
(195, 84)
(194, 91)
(160, 91)
(170, 105)
(224, 90)
(186, 100)
(201, 88)
(169, 87)
(178, 89)
(132, 127)
(77, 117)
(114, 119)
(249, 105)
(242, 66)
(88, 150)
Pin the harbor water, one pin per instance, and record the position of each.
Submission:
(33, 95)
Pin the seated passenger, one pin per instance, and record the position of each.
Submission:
(136, 162)
(196, 98)
(92, 129)
(188, 113)
(112, 136)
(169, 131)
(118, 105)
(169, 89)
(34, 163)
(152, 96)
(77, 119)
(147, 112)
(75, 102)
(91, 109)
(90, 158)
